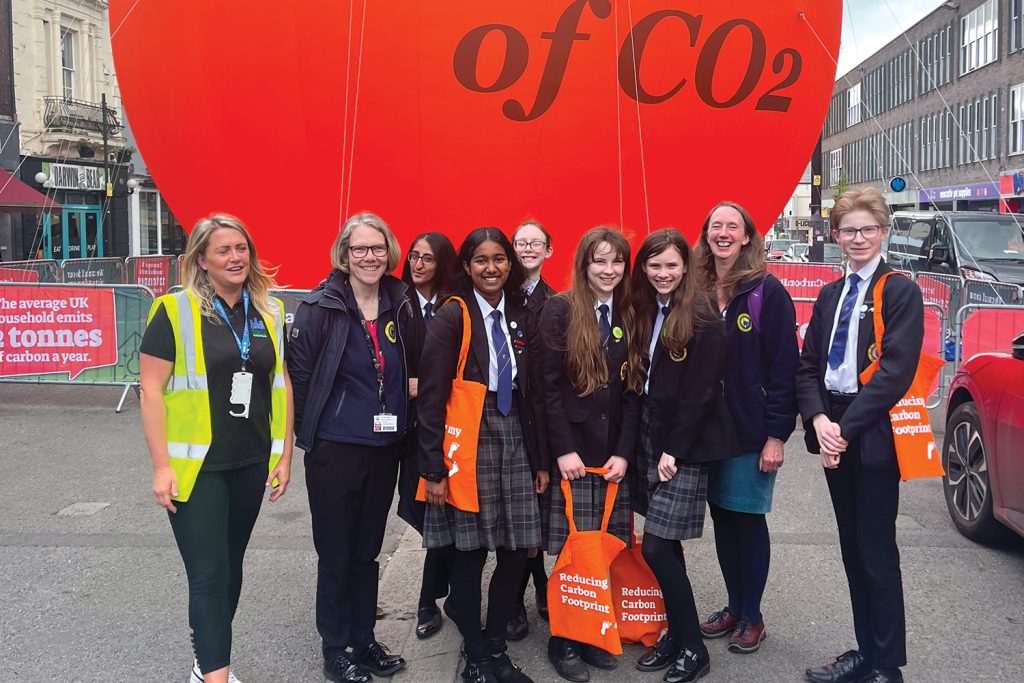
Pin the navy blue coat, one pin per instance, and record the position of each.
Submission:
(317, 344)
(761, 365)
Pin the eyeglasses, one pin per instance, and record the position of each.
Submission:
(532, 244)
(426, 259)
(868, 232)
(378, 250)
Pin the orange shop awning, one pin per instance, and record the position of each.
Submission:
(16, 196)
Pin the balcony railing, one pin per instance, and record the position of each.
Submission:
(73, 116)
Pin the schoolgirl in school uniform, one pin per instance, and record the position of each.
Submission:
(511, 468)
(684, 425)
(591, 418)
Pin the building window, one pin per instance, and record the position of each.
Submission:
(853, 111)
(935, 59)
(1016, 25)
(979, 37)
(835, 166)
(835, 122)
(978, 127)
(67, 62)
(1017, 119)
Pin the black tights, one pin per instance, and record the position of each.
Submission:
(212, 530)
(465, 597)
(744, 553)
(665, 558)
(535, 568)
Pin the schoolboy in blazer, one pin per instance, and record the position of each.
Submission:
(848, 424)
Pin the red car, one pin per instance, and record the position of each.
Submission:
(983, 449)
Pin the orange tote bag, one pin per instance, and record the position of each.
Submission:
(639, 605)
(463, 412)
(911, 428)
(580, 603)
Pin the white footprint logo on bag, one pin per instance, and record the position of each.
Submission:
(605, 626)
(451, 456)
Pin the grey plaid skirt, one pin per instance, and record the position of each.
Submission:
(673, 509)
(509, 517)
(587, 508)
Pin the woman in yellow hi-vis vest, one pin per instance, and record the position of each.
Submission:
(217, 414)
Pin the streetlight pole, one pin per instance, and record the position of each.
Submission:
(109, 186)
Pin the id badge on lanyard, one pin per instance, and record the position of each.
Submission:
(382, 421)
(241, 381)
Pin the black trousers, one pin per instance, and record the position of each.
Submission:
(212, 531)
(350, 491)
(866, 502)
(437, 574)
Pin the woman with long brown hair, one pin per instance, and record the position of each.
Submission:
(760, 389)
(684, 426)
(591, 416)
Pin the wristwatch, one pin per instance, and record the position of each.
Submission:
(434, 476)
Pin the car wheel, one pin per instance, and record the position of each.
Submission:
(966, 484)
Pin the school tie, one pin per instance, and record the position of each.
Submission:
(428, 313)
(604, 324)
(504, 364)
(838, 350)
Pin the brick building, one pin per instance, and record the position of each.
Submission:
(941, 106)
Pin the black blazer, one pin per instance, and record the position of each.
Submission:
(437, 370)
(690, 419)
(541, 293)
(596, 426)
(867, 418)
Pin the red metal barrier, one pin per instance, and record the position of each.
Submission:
(805, 280)
(987, 330)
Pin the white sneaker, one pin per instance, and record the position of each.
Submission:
(197, 675)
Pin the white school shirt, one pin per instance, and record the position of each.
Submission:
(844, 378)
(659, 320)
(492, 363)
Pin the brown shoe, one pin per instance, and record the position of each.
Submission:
(746, 637)
(719, 624)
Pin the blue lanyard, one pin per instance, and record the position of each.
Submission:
(243, 343)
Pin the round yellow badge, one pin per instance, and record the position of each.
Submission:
(622, 370)
(389, 332)
(744, 322)
(873, 353)
(678, 357)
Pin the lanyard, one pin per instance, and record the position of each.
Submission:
(375, 359)
(243, 343)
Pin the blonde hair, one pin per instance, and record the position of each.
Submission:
(339, 250)
(868, 199)
(259, 282)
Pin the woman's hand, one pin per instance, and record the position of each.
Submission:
(542, 481)
(414, 387)
(666, 467)
(571, 466)
(772, 455)
(616, 467)
(283, 474)
(165, 485)
(437, 492)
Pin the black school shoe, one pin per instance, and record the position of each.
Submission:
(479, 672)
(376, 659)
(428, 621)
(519, 625)
(342, 669)
(660, 656)
(689, 667)
(848, 667)
(883, 676)
(564, 655)
(595, 656)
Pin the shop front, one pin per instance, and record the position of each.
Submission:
(973, 197)
(1011, 190)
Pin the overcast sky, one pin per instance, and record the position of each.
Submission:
(869, 24)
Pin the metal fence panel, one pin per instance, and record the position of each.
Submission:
(30, 271)
(158, 273)
(93, 271)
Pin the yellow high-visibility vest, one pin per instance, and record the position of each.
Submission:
(187, 397)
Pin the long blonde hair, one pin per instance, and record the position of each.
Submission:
(585, 363)
(259, 281)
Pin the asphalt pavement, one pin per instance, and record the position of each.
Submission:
(96, 590)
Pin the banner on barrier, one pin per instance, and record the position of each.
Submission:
(805, 280)
(83, 334)
(95, 271)
(984, 292)
(291, 298)
(157, 273)
(29, 271)
(987, 330)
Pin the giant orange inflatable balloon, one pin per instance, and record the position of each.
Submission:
(450, 115)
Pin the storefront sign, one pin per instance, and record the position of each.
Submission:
(959, 192)
(74, 177)
(45, 330)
